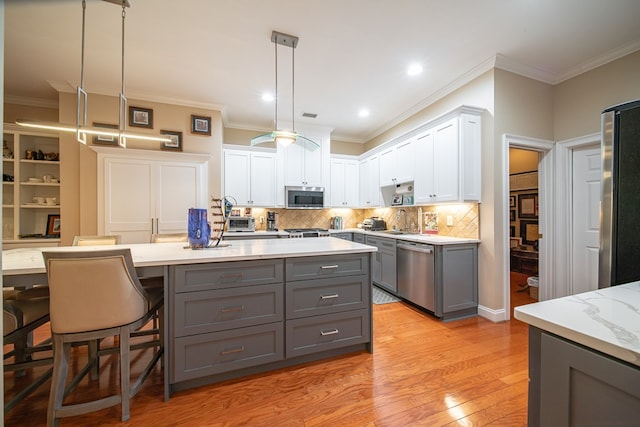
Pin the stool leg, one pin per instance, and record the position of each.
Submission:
(125, 374)
(61, 355)
(93, 357)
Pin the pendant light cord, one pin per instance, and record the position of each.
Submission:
(277, 95)
(293, 89)
(124, 15)
(84, 12)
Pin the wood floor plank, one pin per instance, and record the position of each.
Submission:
(422, 372)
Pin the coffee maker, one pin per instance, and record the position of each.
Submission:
(272, 221)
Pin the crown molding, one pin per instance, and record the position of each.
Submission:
(31, 102)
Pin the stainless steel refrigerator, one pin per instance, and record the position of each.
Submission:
(619, 260)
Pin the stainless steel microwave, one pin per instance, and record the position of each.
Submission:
(304, 197)
(241, 223)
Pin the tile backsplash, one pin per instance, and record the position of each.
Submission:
(464, 218)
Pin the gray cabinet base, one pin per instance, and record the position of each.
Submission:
(212, 379)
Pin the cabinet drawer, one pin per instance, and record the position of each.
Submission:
(217, 310)
(306, 268)
(320, 333)
(324, 296)
(209, 354)
(226, 275)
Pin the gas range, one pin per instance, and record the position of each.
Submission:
(307, 232)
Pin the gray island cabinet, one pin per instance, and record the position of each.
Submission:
(231, 319)
(584, 358)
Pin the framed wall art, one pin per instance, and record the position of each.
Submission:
(176, 140)
(528, 206)
(105, 139)
(512, 201)
(529, 231)
(141, 117)
(201, 125)
(53, 226)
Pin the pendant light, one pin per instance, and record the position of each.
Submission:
(81, 129)
(285, 137)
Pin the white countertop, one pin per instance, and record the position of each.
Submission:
(29, 260)
(434, 239)
(607, 320)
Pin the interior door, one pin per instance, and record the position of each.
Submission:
(586, 219)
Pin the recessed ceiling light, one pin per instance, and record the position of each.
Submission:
(363, 113)
(414, 69)
(267, 97)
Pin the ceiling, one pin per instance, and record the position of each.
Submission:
(352, 54)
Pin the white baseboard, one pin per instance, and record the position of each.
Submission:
(492, 315)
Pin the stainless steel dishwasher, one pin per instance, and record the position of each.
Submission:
(416, 274)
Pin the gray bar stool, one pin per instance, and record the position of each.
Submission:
(94, 295)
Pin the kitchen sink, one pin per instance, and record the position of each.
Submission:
(398, 232)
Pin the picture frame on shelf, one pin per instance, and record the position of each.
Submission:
(53, 225)
(201, 125)
(528, 206)
(176, 140)
(141, 117)
(529, 231)
(105, 139)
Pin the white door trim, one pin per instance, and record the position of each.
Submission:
(563, 212)
(546, 172)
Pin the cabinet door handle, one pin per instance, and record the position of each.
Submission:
(232, 309)
(329, 296)
(329, 267)
(232, 351)
(332, 332)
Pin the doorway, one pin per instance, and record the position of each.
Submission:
(545, 217)
(523, 226)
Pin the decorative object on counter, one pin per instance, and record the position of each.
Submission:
(337, 223)
(8, 178)
(105, 139)
(220, 211)
(199, 229)
(430, 223)
(53, 226)
(201, 125)
(278, 135)
(176, 140)
(80, 128)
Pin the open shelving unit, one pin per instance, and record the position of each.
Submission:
(24, 220)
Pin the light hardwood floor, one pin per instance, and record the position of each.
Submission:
(469, 372)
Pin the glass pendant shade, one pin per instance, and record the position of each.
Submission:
(285, 137)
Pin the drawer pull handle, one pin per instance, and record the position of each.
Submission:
(232, 351)
(329, 296)
(333, 332)
(329, 267)
(232, 309)
(232, 276)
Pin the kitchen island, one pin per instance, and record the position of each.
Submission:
(246, 306)
(584, 358)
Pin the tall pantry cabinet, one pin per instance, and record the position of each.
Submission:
(143, 192)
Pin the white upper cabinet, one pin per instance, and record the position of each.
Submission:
(344, 183)
(397, 164)
(142, 192)
(370, 182)
(299, 166)
(249, 177)
(448, 161)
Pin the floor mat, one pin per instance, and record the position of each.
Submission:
(382, 297)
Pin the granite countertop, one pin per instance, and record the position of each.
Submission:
(433, 239)
(29, 260)
(607, 320)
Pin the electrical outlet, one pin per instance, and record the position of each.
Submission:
(449, 220)
(261, 220)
